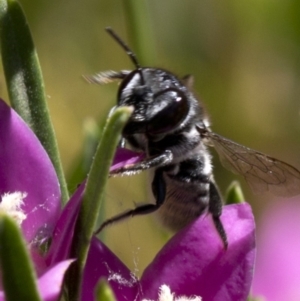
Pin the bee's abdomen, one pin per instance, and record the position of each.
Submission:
(187, 194)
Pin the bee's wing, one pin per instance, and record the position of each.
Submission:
(262, 173)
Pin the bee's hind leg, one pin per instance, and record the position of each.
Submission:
(215, 208)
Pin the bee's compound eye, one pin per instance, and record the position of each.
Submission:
(127, 86)
(172, 113)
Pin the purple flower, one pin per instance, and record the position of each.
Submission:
(193, 262)
(27, 174)
(25, 167)
(277, 271)
(65, 226)
(28, 178)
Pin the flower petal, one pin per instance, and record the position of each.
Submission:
(277, 271)
(124, 157)
(194, 261)
(102, 262)
(50, 284)
(63, 234)
(26, 167)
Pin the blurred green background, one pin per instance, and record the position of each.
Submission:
(245, 56)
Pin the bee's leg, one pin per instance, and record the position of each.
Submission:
(215, 208)
(165, 158)
(106, 77)
(159, 191)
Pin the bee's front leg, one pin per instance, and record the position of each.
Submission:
(163, 159)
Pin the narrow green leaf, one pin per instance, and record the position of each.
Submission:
(94, 194)
(234, 194)
(24, 80)
(139, 28)
(18, 276)
(104, 292)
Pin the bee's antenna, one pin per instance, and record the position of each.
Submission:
(129, 52)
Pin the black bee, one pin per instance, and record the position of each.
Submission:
(169, 124)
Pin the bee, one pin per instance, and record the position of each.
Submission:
(170, 126)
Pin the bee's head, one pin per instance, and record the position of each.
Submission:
(159, 100)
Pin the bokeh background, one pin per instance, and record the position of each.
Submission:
(244, 55)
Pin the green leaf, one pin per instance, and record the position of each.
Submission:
(94, 194)
(234, 194)
(24, 80)
(104, 292)
(18, 276)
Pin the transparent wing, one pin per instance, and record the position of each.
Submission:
(262, 173)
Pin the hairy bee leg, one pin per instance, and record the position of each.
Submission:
(165, 158)
(215, 208)
(106, 77)
(159, 191)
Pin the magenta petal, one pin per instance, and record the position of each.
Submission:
(277, 271)
(194, 261)
(124, 157)
(26, 167)
(50, 284)
(63, 233)
(102, 262)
